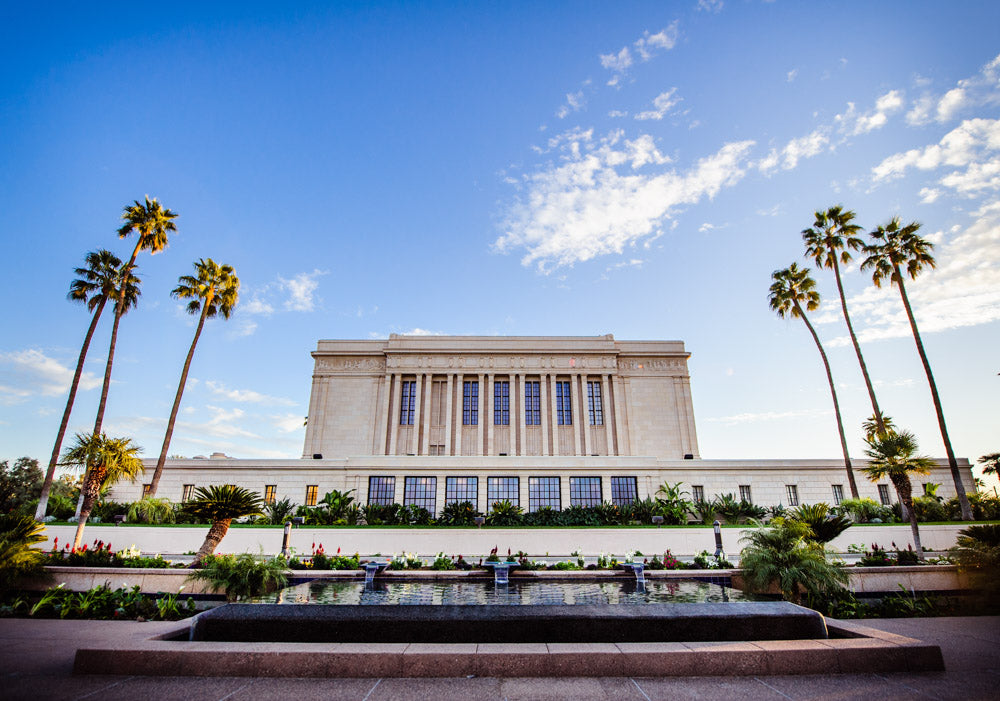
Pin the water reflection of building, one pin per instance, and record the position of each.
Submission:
(540, 421)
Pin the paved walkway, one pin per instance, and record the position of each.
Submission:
(36, 661)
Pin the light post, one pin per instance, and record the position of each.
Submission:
(717, 527)
(285, 538)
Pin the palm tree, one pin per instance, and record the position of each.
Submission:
(894, 246)
(126, 296)
(106, 461)
(826, 243)
(221, 504)
(95, 286)
(151, 222)
(213, 290)
(18, 555)
(893, 455)
(990, 463)
(870, 426)
(793, 287)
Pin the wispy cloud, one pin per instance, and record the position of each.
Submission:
(301, 290)
(605, 194)
(757, 417)
(245, 395)
(713, 6)
(31, 372)
(662, 104)
(980, 89)
(641, 50)
(852, 123)
(574, 103)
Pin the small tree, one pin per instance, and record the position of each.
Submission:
(894, 455)
(784, 553)
(19, 484)
(220, 505)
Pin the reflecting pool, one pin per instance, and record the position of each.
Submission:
(517, 593)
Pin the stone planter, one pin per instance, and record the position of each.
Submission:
(878, 580)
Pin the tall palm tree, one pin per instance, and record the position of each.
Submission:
(893, 455)
(990, 463)
(125, 296)
(152, 223)
(827, 243)
(106, 461)
(792, 289)
(213, 290)
(870, 426)
(221, 504)
(893, 246)
(95, 286)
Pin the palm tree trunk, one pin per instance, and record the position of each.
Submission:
(99, 421)
(857, 349)
(89, 491)
(43, 499)
(836, 405)
(215, 535)
(963, 499)
(905, 491)
(154, 483)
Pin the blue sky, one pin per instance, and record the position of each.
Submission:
(500, 168)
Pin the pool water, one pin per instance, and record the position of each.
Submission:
(514, 594)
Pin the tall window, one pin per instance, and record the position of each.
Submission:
(470, 403)
(312, 492)
(793, 494)
(564, 409)
(697, 492)
(595, 404)
(838, 494)
(501, 403)
(420, 491)
(883, 494)
(146, 488)
(624, 490)
(407, 403)
(532, 404)
(270, 493)
(381, 490)
(462, 489)
(585, 491)
(188, 492)
(543, 491)
(745, 493)
(503, 489)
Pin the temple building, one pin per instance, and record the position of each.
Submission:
(541, 421)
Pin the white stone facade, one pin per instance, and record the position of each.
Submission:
(540, 420)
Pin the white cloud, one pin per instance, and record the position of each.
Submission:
(420, 332)
(757, 417)
(795, 150)
(852, 123)
(606, 194)
(662, 104)
(245, 395)
(792, 75)
(574, 103)
(964, 290)
(301, 290)
(33, 372)
(643, 49)
(705, 228)
(257, 306)
(288, 423)
(714, 6)
(980, 89)
(618, 113)
(972, 145)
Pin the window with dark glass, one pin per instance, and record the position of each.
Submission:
(697, 492)
(595, 404)
(146, 489)
(501, 403)
(407, 403)
(420, 491)
(543, 491)
(532, 404)
(624, 490)
(745, 493)
(503, 489)
(564, 409)
(883, 494)
(270, 493)
(585, 491)
(793, 494)
(312, 492)
(381, 490)
(470, 403)
(188, 492)
(838, 494)
(462, 489)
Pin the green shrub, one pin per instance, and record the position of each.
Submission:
(416, 515)
(863, 510)
(19, 556)
(242, 576)
(929, 509)
(105, 603)
(151, 510)
(825, 526)
(876, 557)
(442, 562)
(545, 516)
(504, 513)
(458, 513)
(705, 510)
(278, 512)
(383, 514)
(978, 551)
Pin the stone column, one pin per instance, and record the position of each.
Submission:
(449, 417)
(621, 430)
(546, 411)
(393, 426)
(490, 401)
(417, 417)
(606, 417)
(584, 414)
(459, 412)
(479, 410)
(521, 418)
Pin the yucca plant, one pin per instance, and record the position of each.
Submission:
(220, 504)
